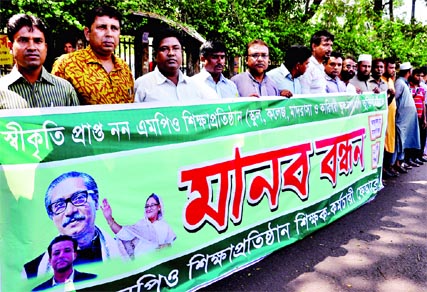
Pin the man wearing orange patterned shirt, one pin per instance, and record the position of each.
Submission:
(98, 76)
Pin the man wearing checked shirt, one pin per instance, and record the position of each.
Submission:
(28, 78)
(212, 55)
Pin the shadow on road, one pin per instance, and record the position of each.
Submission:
(382, 246)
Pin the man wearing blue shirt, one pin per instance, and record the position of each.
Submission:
(295, 65)
(333, 67)
(255, 82)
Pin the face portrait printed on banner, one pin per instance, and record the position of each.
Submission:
(72, 207)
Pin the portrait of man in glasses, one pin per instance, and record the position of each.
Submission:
(71, 202)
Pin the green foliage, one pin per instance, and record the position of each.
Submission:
(281, 23)
(358, 30)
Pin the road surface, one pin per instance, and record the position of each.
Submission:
(380, 247)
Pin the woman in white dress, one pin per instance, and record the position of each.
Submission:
(150, 233)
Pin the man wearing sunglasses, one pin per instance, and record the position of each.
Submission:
(71, 202)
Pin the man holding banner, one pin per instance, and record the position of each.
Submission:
(167, 83)
(29, 78)
(71, 202)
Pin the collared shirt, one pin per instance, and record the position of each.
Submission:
(313, 80)
(11, 100)
(225, 88)
(389, 82)
(70, 279)
(247, 85)
(284, 80)
(334, 84)
(93, 84)
(47, 91)
(381, 84)
(154, 86)
(350, 88)
(361, 84)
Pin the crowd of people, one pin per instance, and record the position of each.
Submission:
(94, 75)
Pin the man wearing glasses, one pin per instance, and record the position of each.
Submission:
(255, 82)
(71, 202)
(349, 67)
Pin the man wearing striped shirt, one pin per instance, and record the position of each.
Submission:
(28, 77)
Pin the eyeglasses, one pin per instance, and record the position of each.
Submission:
(77, 199)
(256, 56)
(351, 66)
(150, 206)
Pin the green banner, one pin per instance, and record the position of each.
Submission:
(233, 182)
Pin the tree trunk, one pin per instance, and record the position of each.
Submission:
(310, 9)
(413, 11)
(390, 10)
(378, 7)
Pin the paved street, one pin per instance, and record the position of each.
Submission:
(380, 247)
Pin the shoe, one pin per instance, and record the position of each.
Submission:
(394, 172)
(388, 174)
(418, 161)
(412, 163)
(405, 165)
(423, 159)
(400, 169)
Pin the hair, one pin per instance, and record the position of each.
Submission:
(389, 60)
(351, 57)
(18, 21)
(317, 37)
(72, 42)
(210, 47)
(103, 10)
(89, 183)
(256, 42)
(156, 197)
(334, 54)
(417, 71)
(61, 238)
(165, 33)
(376, 61)
(296, 54)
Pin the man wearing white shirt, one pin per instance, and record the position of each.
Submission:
(313, 80)
(167, 83)
(349, 67)
(212, 56)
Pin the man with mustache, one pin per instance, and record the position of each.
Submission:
(212, 55)
(313, 80)
(255, 82)
(348, 71)
(333, 67)
(71, 202)
(98, 76)
(62, 253)
(167, 83)
(364, 67)
(28, 78)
